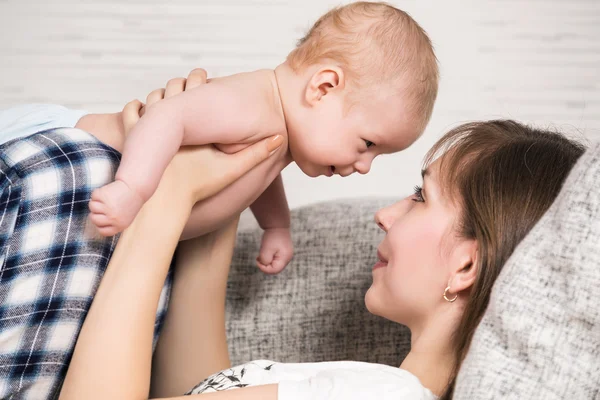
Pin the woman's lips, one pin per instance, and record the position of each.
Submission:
(382, 261)
(379, 264)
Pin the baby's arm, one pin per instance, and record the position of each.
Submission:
(219, 112)
(273, 215)
(216, 112)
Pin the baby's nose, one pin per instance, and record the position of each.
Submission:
(363, 167)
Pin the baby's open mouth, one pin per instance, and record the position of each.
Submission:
(332, 169)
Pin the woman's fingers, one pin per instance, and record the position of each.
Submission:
(196, 78)
(198, 172)
(131, 114)
(174, 87)
(152, 98)
(243, 161)
(155, 96)
(134, 110)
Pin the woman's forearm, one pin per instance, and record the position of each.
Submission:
(112, 358)
(193, 342)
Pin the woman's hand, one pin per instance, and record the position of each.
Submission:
(136, 109)
(199, 172)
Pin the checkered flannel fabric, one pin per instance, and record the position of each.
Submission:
(51, 259)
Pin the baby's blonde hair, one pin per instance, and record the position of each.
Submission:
(375, 43)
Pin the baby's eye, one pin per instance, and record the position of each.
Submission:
(369, 143)
(418, 195)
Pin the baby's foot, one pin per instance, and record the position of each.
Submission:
(113, 207)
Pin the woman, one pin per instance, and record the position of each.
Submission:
(484, 187)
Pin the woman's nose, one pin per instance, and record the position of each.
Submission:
(383, 218)
(386, 217)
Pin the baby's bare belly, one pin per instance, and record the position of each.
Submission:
(214, 212)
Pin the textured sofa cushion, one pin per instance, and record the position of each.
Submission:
(314, 310)
(540, 336)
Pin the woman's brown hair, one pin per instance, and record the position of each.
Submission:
(504, 176)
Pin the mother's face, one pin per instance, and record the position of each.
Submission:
(417, 254)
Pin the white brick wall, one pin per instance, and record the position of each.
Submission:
(533, 60)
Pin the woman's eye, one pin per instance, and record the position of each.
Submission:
(419, 194)
(369, 143)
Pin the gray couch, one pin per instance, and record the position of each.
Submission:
(314, 310)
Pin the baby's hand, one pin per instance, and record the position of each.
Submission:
(276, 250)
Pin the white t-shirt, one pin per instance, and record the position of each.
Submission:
(343, 380)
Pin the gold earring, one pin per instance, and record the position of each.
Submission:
(446, 297)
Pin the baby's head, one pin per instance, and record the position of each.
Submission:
(367, 79)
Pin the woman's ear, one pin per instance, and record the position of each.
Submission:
(464, 266)
(323, 81)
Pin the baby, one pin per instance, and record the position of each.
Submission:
(361, 83)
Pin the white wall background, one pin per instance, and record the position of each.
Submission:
(533, 60)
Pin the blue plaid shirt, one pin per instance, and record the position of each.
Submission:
(52, 259)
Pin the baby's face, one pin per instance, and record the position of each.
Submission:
(332, 142)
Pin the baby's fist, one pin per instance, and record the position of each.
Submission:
(276, 250)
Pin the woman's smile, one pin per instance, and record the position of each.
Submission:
(382, 261)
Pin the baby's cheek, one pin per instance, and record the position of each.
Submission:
(318, 155)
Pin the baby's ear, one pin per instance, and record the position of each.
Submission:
(325, 80)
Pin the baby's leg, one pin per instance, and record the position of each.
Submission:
(193, 344)
(149, 148)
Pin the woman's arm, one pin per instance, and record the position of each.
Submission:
(193, 343)
(113, 354)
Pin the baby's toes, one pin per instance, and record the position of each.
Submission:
(99, 195)
(97, 207)
(107, 231)
(100, 220)
(114, 194)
